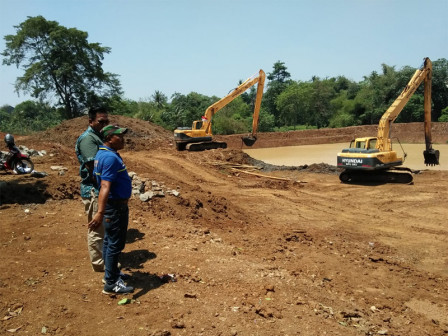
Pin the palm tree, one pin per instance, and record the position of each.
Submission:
(159, 99)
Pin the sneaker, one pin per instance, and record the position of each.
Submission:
(123, 277)
(118, 288)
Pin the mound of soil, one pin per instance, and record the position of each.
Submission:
(141, 135)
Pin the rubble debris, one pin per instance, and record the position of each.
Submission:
(148, 189)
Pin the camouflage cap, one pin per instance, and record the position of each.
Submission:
(112, 129)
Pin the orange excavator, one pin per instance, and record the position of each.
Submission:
(199, 137)
(371, 159)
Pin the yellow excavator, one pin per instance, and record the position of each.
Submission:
(199, 137)
(371, 159)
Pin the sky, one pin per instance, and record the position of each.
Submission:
(207, 46)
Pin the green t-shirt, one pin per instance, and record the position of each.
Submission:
(86, 148)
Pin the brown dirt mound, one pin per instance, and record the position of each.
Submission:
(142, 134)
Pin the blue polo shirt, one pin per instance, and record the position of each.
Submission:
(109, 166)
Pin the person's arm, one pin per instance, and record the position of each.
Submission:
(90, 165)
(88, 147)
(97, 220)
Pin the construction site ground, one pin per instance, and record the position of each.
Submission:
(255, 249)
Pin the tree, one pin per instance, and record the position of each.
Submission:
(376, 93)
(148, 110)
(160, 99)
(59, 62)
(29, 116)
(249, 96)
(439, 87)
(444, 115)
(279, 79)
(266, 122)
(5, 115)
(183, 110)
(323, 93)
(343, 108)
(125, 107)
(7, 108)
(279, 74)
(235, 117)
(294, 104)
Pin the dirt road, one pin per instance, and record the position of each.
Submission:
(286, 252)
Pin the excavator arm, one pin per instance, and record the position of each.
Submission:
(212, 109)
(431, 155)
(424, 74)
(250, 139)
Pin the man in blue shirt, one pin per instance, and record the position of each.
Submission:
(115, 189)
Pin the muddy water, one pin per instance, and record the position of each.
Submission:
(327, 153)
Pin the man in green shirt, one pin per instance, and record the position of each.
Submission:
(86, 148)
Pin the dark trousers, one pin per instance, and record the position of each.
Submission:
(116, 219)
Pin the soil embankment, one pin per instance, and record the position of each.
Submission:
(406, 133)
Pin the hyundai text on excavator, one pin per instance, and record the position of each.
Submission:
(371, 159)
(200, 137)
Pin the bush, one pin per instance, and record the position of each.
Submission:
(293, 128)
(28, 117)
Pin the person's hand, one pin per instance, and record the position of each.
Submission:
(96, 221)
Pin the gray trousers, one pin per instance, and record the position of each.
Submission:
(94, 237)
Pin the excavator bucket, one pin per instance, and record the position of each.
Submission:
(249, 140)
(431, 157)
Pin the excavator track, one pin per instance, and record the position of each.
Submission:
(376, 176)
(201, 146)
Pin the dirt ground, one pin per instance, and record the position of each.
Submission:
(255, 249)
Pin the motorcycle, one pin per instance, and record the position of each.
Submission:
(17, 162)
